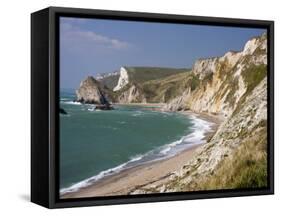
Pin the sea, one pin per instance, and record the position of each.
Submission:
(95, 144)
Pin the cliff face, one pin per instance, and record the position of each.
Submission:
(235, 86)
(245, 123)
(214, 85)
(245, 129)
(132, 94)
(123, 79)
(92, 92)
(224, 80)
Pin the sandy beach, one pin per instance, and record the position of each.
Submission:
(130, 179)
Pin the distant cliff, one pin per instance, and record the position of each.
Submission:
(109, 80)
(123, 79)
(136, 83)
(93, 92)
(132, 93)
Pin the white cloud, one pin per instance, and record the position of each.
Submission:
(75, 34)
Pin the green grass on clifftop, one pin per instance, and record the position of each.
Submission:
(110, 81)
(143, 74)
(168, 88)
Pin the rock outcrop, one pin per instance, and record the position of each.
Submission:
(123, 79)
(92, 92)
(62, 111)
(133, 94)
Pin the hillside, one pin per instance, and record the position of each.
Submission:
(153, 85)
(143, 74)
(110, 80)
(165, 89)
(140, 75)
(233, 86)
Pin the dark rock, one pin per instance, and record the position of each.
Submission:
(62, 111)
(104, 107)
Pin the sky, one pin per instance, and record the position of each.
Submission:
(94, 46)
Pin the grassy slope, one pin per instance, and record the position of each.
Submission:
(246, 168)
(142, 74)
(252, 76)
(158, 84)
(110, 81)
(170, 87)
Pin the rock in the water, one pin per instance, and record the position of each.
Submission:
(104, 107)
(62, 111)
(92, 92)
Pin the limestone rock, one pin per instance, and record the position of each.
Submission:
(221, 82)
(92, 92)
(123, 79)
(132, 95)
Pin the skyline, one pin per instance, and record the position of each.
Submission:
(95, 46)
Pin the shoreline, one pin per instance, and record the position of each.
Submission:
(129, 179)
(140, 104)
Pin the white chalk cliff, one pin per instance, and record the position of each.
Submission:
(221, 81)
(123, 79)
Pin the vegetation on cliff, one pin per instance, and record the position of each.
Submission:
(142, 74)
(245, 168)
(109, 81)
(233, 86)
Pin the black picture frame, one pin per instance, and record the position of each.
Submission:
(45, 106)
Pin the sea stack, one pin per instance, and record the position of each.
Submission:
(92, 92)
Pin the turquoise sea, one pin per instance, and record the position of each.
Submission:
(95, 144)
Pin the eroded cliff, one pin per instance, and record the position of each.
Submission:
(224, 80)
(234, 86)
(92, 92)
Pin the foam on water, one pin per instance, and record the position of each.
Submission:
(196, 137)
(88, 181)
(138, 113)
(71, 102)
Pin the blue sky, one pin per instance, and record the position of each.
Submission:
(93, 46)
